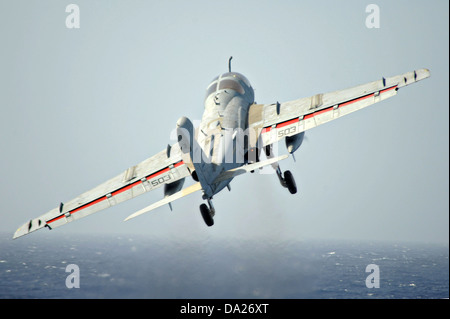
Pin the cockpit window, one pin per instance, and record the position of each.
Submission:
(231, 84)
(230, 80)
(237, 75)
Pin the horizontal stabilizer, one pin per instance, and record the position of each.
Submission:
(247, 168)
(188, 190)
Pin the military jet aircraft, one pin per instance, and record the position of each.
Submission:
(233, 132)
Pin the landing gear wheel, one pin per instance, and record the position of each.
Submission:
(206, 214)
(290, 182)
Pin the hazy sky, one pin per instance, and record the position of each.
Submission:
(79, 106)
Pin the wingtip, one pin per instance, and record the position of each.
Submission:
(21, 231)
(423, 73)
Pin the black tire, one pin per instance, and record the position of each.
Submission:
(290, 182)
(206, 214)
(195, 176)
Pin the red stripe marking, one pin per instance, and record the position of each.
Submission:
(79, 208)
(323, 111)
(287, 122)
(55, 219)
(116, 192)
(88, 204)
(357, 99)
(125, 188)
(311, 115)
(388, 89)
(158, 173)
(266, 129)
(179, 163)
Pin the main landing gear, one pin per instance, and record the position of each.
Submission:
(208, 213)
(287, 180)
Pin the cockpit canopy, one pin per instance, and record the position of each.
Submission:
(230, 80)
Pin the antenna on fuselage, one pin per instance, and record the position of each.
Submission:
(229, 64)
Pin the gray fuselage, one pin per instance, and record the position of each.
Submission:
(221, 135)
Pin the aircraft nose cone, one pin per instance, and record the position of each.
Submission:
(182, 121)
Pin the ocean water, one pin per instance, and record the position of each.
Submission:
(146, 267)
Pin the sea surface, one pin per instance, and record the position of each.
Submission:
(111, 266)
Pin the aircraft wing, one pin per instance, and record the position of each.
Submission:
(165, 167)
(278, 120)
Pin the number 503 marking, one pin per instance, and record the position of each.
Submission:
(161, 180)
(287, 131)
